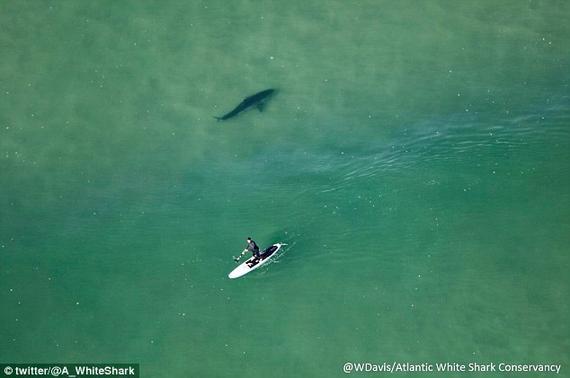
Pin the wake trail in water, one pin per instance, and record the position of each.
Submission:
(449, 140)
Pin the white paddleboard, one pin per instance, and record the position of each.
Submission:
(251, 264)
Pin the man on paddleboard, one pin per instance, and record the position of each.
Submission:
(251, 247)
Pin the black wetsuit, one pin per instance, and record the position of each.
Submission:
(253, 248)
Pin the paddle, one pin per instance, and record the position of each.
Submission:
(236, 259)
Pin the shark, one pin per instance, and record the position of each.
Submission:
(257, 100)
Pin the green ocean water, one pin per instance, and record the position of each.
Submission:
(416, 159)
